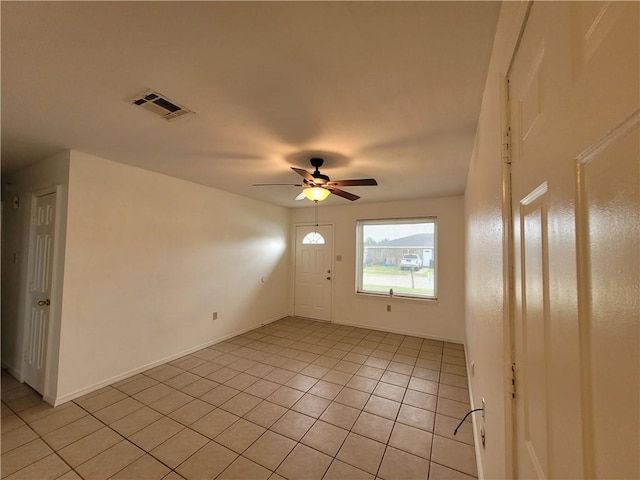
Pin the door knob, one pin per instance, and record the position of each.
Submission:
(46, 302)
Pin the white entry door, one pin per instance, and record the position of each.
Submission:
(314, 272)
(40, 275)
(575, 115)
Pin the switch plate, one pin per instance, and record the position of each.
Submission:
(388, 308)
(214, 316)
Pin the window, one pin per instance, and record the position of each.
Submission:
(397, 257)
(313, 238)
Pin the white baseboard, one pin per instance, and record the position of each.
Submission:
(400, 332)
(477, 441)
(15, 373)
(96, 386)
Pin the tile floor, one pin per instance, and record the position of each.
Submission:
(295, 399)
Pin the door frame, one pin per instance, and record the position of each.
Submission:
(53, 331)
(294, 252)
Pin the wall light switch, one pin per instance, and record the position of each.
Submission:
(338, 258)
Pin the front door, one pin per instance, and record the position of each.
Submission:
(313, 271)
(40, 275)
(576, 212)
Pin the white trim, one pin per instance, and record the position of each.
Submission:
(96, 386)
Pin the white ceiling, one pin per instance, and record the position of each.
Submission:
(389, 90)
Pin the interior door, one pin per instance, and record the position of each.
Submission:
(573, 96)
(40, 275)
(313, 272)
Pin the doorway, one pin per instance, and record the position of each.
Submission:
(313, 272)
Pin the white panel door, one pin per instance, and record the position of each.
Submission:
(574, 104)
(313, 273)
(40, 275)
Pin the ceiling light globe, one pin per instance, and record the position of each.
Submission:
(316, 194)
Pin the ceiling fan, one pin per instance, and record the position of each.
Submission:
(318, 186)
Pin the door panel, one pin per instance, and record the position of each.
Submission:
(37, 324)
(573, 85)
(313, 274)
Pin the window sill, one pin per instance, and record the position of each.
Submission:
(400, 298)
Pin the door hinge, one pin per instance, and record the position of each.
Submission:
(506, 145)
(513, 381)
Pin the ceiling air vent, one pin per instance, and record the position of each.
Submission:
(160, 105)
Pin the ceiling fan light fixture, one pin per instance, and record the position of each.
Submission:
(317, 194)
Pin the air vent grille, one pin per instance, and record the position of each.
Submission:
(160, 105)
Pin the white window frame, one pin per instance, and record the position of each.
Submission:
(360, 256)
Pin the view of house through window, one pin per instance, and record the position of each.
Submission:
(397, 256)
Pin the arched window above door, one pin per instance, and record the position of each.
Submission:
(313, 238)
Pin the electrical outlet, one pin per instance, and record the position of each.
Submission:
(388, 308)
(214, 316)
(472, 367)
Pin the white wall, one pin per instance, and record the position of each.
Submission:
(443, 319)
(44, 175)
(487, 327)
(149, 258)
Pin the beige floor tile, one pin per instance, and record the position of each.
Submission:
(11, 422)
(118, 410)
(72, 432)
(452, 408)
(219, 395)
(355, 358)
(353, 398)
(214, 423)
(325, 437)
(280, 375)
(417, 417)
(362, 453)
(455, 455)
(424, 386)
(199, 387)
(285, 396)
(311, 405)
(17, 437)
(411, 440)
(373, 426)
(163, 372)
(440, 472)
(138, 384)
(49, 467)
(327, 362)
(205, 369)
(191, 412)
(363, 384)
(178, 448)
(389, 391)
(398, 464)
(301, 382)
(270, 449)
(188, 362)
(93, 403)
(242, 381)
(376, 362)
(454, 393)
(454, 380)
(23, 456)
(144, 468)
(348, 367)
(31, 414)
(337, 377)
(244, 469)
(135, 421)
(70, 475)
(262, 388)
(61, 417)
(239, 436)
(171, 402)
(110, 461)
(259, 370)
(293, 425)
(223, 374)
(445, 426)
(304, 463)
(207, 463)
(342, 471)
(88, 447)
(241, 404)
(22, 403)
(153, 394)
(315, 371)
(370, 372)
(426, 374)
(382, 407)
(153, 435)
(453, 360)
(182, 380)
(325, 389)
(265, 414)
(340, 415)
(420, 400)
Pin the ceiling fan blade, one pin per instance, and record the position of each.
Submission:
(363, 182)
(276, 184)
(300, 196)
(304, 173)
(343, 194)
